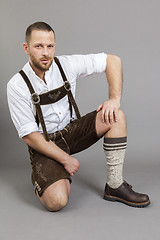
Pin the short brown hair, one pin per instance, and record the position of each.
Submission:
(41, 26)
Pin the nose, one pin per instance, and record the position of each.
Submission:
(45, 51)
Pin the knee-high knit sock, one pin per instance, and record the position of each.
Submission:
(114, 149)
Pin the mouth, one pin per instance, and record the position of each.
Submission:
(45, 61)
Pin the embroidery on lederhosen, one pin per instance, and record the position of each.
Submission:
(37, 186)
(54, 96)
(39, 171)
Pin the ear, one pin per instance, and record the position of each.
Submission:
(25, 47)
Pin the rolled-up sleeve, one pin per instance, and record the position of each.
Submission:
(84, 65)
(27, 129)
(21, 111)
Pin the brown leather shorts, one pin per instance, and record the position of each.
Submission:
(75, 137)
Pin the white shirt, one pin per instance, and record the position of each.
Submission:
(56, 115)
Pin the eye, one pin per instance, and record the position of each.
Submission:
(38, 46)
(51, 46)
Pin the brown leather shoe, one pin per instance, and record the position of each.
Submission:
(126, 195)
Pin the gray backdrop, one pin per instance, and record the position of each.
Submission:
(129, 29)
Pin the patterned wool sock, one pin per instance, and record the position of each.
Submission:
(114, 149)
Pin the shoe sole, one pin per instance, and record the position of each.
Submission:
(132, 204)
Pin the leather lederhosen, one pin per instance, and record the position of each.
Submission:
(51, 97)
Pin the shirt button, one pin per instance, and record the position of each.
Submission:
(59, 113)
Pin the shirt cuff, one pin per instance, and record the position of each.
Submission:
(101, 62)
(27, 129)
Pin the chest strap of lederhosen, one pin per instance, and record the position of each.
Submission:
(71, 99)
(50, 97)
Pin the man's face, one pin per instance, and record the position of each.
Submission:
(41, 49)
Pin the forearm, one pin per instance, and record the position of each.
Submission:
(50, 149)
(114, 76)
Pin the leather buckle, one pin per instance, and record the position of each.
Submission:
(67, 86)
(35, 98)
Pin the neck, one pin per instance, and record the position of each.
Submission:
(38, 72)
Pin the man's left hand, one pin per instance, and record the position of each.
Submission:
(109, 110)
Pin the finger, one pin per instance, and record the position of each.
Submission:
(103, 115)
(115, 116)
(107, 117)
(111, 117)
(74, 172)
(99, 108)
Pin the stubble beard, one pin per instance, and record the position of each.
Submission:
(41, 66)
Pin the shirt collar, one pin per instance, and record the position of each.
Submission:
(29, 70)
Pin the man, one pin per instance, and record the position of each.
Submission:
(57, 133)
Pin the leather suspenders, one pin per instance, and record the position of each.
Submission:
(51, 97)
(70, 96)
(36, 101)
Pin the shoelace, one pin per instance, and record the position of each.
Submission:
(127, 184)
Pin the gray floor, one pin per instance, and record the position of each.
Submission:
(128, 29)
(87, 216)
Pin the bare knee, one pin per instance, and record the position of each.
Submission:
(103, 128)
(56, 203)
(118, 129)
(121, 117)
(55, 197)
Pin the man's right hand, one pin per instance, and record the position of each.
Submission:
(71, 165)
(50, 149)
